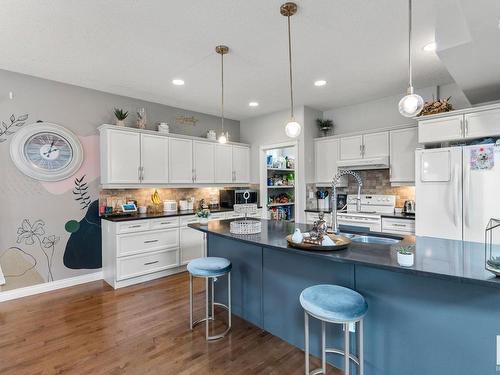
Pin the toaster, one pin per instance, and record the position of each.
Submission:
(169, 206)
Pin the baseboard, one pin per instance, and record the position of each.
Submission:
(49, 286)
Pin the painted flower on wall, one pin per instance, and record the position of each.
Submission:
(27, 233)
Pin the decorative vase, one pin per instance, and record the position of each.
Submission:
(203, 220)
(406, 260)
(120, 123)
(325, 131)
(141, 118)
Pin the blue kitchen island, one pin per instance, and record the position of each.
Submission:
(439, 317)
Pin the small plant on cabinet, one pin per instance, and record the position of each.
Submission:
(325, 125)
(120, 115)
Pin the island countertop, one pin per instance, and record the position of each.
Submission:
(434, 257)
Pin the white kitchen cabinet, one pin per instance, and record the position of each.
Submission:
(326, 156)
(482, 124)
(203, 162)
(375, 145)
(398, 226)
(223, 163)
(192, 244)
(241, 164)
(403, 144)
(440, 129)
(351, 147)
(120, 157)
(181, 161)
(154, 159)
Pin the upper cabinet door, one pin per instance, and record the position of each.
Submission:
(241, 164)
(181, 161)
(326, 156)
(351, 147)
(482, 124)
(403, 145)
(223, 163)
(154, 159)
(203, 158)
(376, 145)
(440, 129)
(120, 157)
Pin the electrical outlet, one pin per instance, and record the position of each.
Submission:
(311, 195)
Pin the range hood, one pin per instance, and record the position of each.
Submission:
(365, 163)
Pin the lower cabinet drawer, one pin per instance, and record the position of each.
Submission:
(217, 216)
(398, 226)
(191, 219)
(137, 265)
(132, 226)
(136, 243)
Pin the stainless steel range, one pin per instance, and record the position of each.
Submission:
(369, 217)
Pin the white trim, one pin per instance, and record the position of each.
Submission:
(49, 286)
(368, 131)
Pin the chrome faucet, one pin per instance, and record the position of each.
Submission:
(333, 202)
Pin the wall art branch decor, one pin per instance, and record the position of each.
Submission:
(9, 129)
(81, 192)
(34, 234)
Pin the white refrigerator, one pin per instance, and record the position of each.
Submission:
(457, 191)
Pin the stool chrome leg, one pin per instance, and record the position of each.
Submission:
(323, 347)
(213, 300)
(346, 349)
(190, 302)
(306, 342)
(206, 308)
(361, 354)
(229, 296)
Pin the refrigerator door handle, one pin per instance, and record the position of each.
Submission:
(456, 205)
(466, 194)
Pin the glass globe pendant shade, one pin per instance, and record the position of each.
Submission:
(411, 105)
(292, 129)
(223, 138)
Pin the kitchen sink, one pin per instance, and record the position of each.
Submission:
(371, 239)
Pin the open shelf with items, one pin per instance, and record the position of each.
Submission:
(280, 183)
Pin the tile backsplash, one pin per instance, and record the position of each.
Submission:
(374, 182)
(114, 197)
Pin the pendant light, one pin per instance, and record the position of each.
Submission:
(292, 128)
(411, 104)
(222, 50)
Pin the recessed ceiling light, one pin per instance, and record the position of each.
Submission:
(430, 47)
(178, 82)
(320, 82)
(253, 104)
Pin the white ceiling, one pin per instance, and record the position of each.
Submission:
(135, 48)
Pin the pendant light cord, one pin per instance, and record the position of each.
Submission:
(222, 90)
(409, 44)
(290, 64)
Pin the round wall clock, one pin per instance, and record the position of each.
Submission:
(46, 151)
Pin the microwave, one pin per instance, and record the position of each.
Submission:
(229, 197)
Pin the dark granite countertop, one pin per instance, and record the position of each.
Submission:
(400, 216)
(138, 216)
(317, 210)
(434, 257)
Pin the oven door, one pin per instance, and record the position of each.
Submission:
(355, 222)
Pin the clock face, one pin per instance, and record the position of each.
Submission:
(48, 151)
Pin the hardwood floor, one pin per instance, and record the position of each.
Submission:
(142, 329)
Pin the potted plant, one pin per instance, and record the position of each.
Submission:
(120, 115)
(325, 125)
(406, 258)
(203, 215)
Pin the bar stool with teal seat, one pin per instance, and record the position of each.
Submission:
(210, 268)
(334, 304)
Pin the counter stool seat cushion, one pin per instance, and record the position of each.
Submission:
(333, 303)
(209, 266)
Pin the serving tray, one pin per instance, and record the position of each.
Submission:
(341, 242)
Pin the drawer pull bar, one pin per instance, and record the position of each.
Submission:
(166, 222)
(150, 263)
(135, 226)
(150, 241)
(399, 225)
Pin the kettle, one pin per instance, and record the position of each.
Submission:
(409, 207)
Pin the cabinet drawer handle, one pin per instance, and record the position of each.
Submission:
(166, 222)
(150, 241)
(399, 225)
(135, 226)
(150, 263)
